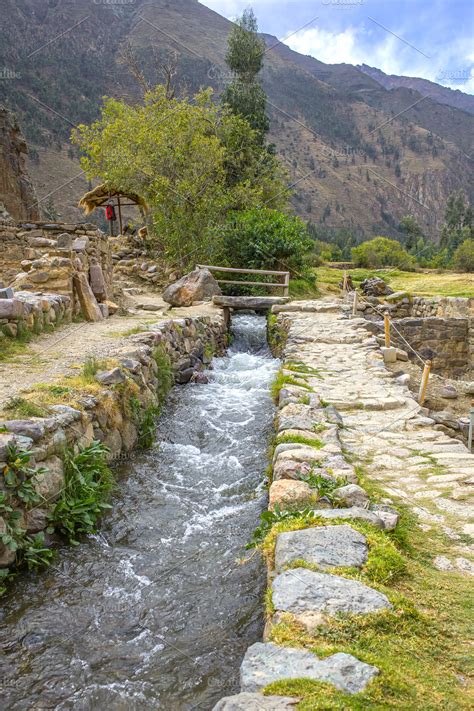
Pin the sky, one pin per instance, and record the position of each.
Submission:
(432, 39)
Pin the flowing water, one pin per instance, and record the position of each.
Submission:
(156, 611)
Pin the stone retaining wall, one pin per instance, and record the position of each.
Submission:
(444, 341)
(32, 312)
(74, 260)
(439, 328)
(107, 413)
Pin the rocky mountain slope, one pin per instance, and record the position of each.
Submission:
(443, 94)
(361, 155)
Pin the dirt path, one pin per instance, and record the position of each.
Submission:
(53, 355)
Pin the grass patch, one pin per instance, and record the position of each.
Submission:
(282, 379)
(422, 283)
(10, 348)
(20, 407)
(299, 439)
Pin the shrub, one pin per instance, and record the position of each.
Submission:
(88, 481)
(382, 252)
(267, 239)
(463, 257)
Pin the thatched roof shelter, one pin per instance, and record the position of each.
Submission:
(103, 195)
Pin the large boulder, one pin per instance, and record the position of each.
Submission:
(198, 285)
(375, 286)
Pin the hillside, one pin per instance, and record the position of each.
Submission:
(325, 118)
(443, 94)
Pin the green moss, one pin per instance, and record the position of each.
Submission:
(299, 439)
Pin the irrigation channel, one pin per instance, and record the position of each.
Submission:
(156, 611)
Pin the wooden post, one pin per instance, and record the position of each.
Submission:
(119, 209)
(424, 382)
(286, 285)
(386, 322)
(344, 282)
(354, 304)
(471, 426)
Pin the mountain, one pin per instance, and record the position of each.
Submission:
(360, 155)
(442, 94)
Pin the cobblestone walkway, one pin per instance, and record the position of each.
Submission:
(385, 428)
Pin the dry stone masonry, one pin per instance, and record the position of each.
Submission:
(74, 261)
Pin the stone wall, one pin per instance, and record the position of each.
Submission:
(72, 260)
(439, 328)
(107, 415)
(444, 341)
(34, 312)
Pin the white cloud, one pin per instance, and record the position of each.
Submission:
(356, 45)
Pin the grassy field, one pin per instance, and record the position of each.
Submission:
(422, 283)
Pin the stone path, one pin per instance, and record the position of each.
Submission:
(383, 424)
(55, 354)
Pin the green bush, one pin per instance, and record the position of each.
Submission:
(463, 257)
(267, 239)
(88, 481)
(382, 252)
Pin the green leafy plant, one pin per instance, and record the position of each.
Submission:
(269, 518)
(165, 372)
(20, 407)
(322, 484)
(36, 554)
(88, 482)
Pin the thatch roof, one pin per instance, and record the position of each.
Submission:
(101, 194)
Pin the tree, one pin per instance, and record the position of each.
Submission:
(458, 222)
(184, 158)
(412, 231)
(266, 238)
(245, 52)
(463, 257)
(382, 252)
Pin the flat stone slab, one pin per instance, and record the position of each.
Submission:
(255, 303)
(256, 702)
(302, 590)
(353, 513)
(267, 662)
(326, 546)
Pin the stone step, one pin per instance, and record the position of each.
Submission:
(265, 663)
(255, 702)
(301, 590)
(326, 546)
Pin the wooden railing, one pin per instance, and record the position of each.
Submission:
(280, 285)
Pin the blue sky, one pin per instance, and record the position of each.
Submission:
(434, 37)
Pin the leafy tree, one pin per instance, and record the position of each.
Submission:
(192, 161)
(463, 257)
(412, 231)
(266, 238)
(458, 222)
(382, 252)
(244, 57)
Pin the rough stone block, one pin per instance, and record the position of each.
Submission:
(255, 702)
(325, 546)
(302, 590)
(266, 663)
